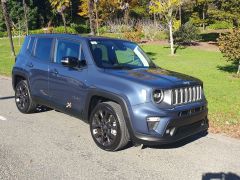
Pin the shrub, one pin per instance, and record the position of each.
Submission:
(3, 34)
(36, 31)
(103, 30)
(118, 26)
(150, 30)
(229, 45)
(81, 28)
(186, 34)
(134, 36)
(221, 25)
(61, 29)
(114, 35)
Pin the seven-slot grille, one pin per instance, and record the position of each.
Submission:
(186, 95)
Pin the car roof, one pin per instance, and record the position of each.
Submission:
(75, 36)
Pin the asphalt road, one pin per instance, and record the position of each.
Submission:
(51, 145)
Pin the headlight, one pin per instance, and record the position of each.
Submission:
(158, 96)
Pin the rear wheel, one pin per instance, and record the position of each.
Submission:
(23, 98)
(108, 127)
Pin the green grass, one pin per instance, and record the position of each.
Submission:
(6, 59)
(221, 88)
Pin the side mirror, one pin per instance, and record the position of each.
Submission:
(70, 61)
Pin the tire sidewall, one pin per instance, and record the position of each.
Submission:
(26, 109)
(114, 146)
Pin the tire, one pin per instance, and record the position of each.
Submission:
(23, 98)
(108, 127)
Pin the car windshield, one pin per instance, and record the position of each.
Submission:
(119, 54)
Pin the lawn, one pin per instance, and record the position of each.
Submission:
(221, 88)
(6, 60)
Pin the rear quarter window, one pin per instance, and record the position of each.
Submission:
(43, 49)
(30, 44)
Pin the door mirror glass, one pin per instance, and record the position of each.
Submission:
(70, 61)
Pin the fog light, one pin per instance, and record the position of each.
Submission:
(153, 122)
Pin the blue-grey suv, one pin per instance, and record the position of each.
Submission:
(112, 85)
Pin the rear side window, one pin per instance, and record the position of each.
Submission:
(30, 44)
(43, 49)
(66, 48)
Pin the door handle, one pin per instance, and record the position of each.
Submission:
(29, 65)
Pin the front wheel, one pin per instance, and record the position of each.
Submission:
(108, 127)
(23, 98)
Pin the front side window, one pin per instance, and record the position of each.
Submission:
(43, 49)
(66, 49)
(109, 53)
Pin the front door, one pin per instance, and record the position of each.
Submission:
(67, 86)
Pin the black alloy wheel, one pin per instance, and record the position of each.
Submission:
(23, 98)
(108, 127)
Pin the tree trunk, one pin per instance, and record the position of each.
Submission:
(180, 14)
(91, 16)
(7, 22)
(126, 16)
(238, 72)
(154, 19)
(203, 19)
(25, 16)
(96, 20)
(171, 37)
(205, 9)
(236, 22)
(64, 22)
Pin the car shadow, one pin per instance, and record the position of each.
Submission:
(178, 144)
(7, 97)
(220, 176)
(41, 109)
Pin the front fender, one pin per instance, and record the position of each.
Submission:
(122, 101)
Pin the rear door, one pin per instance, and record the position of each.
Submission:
(39, 66)
(67, 86)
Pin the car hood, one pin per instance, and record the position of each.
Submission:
(155, 77)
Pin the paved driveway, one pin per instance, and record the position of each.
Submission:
(51, 145)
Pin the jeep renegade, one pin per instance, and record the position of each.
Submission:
(111, 84)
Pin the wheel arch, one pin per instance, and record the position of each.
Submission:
(17, 77)
(96, 96)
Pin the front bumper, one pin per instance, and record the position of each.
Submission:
(185, 125)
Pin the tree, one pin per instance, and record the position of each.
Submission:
(126, 6)
(87, 10)
(60, 6)
(203, 8)
(230, 47)
(227, 10)
(8, 25)
(167, 8)
(186, 34)
(25, 15)
(91, 16)
(97, 11)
